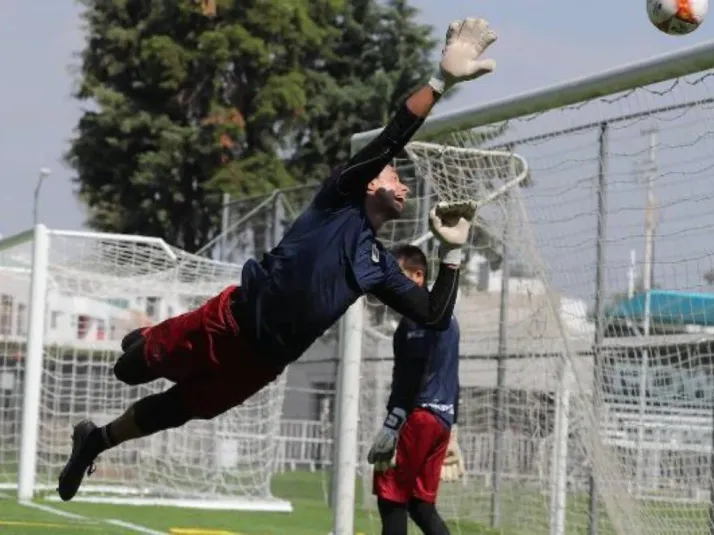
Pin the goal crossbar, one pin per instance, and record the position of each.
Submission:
(651, 71)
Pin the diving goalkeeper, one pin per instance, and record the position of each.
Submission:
(242, 339)
(409, 451)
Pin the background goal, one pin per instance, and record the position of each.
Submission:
(587, 311)
(61, 320)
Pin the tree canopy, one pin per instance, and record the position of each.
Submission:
(381, 54)
(189, 98)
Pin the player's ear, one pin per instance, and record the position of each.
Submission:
(419, 277)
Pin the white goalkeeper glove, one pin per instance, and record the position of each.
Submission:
(453, 468)
(450, 223)
(384, 447)
(461, 59)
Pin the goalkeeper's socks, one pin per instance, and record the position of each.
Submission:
(100, 439)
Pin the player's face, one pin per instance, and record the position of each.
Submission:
(417, 275)
(388, 193)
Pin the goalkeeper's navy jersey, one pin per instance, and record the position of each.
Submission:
(329, 258)
(426, 369)
(325, 262)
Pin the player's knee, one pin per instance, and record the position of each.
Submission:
(159, 412)
(208, 409)
(131, 368)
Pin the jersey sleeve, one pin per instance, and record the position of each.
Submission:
(431, 309)
(349, 181)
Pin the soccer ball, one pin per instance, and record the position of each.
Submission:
(677, 17)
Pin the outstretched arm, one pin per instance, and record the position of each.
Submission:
(366, 164)
(450, 224)
(465, 42)
(429, 308)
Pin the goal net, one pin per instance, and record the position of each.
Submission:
(612, 226)
(94, 288)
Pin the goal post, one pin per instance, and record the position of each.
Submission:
(564, 373)
(32, 385)
(68, 297)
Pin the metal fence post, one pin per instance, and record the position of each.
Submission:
(599, 310)
(500, 394)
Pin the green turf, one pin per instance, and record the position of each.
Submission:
(16, 519)
(523, 512)
(305, 490)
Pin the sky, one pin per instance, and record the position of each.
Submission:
(540, 43)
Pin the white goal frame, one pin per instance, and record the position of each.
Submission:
(514, 179)
(32, 384)
(653, 70)
(39, 274)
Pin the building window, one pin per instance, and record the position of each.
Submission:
(21, 327)
(119, 303)
(101, 329)
(6, 314)
(54, 319)
(323, 398)
(152, 307)
(82, 326)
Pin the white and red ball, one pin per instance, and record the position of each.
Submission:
(677, 17)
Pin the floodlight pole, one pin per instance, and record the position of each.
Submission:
(44, 173)
(631, 276)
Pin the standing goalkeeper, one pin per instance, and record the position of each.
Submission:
(410, 450)
(222, 353)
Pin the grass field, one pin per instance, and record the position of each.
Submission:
(524, 511)
(305, 490)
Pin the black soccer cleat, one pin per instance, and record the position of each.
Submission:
(132, 338)
(81, 461)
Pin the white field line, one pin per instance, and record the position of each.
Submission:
(134, 527)
(52, 510)
(120, 523)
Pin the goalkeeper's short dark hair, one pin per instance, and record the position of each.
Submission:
(413, 258)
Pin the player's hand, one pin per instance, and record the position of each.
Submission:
(450, 223)
(466, 41)
(453, 468)
(384, 447)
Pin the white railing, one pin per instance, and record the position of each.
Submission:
(308, 445)
(304, 445)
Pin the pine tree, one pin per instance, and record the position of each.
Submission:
(380, 55)
(185, 98)
(189, 98)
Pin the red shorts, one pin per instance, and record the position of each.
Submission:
(421, 449)
(204, 353)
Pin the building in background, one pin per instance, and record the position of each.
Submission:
(77, 321)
